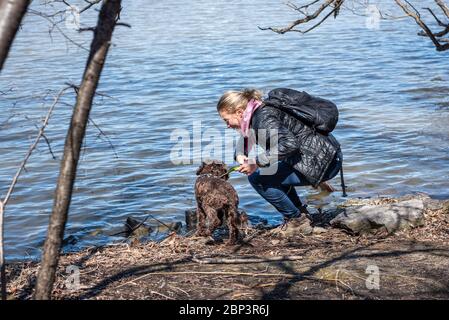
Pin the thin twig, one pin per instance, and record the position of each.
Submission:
(49, 146)
(183, 291)
(55, 25)
(306, 19)
(245, 260)
(161, 222)
(76, 89)
(104, 134)
(225, 273)
(32, 147)
(98, 93)
(440, 23)
(162, 295)
(231, 273)
(132, 229)
(46, 140)
(91, 3)
(15, 179)
(124, 24)
(443, 7)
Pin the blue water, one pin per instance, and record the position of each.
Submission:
(167, 73)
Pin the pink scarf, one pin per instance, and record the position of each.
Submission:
(247, 114)
(246, 120)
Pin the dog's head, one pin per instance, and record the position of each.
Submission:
(214, 168)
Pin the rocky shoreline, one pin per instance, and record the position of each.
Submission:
(382, 248)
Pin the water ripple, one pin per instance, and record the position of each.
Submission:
(169, 73)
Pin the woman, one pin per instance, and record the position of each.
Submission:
(303, 156)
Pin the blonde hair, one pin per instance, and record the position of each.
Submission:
(231, 101)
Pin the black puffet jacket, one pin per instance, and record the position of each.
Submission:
(307, 150)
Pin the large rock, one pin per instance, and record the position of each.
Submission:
(391, 217)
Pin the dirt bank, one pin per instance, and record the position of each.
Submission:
(411, 264)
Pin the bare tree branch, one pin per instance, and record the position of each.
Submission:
(55, 25)
(106, 137)
(306, 19)
(46, 140)
(15, 179)
(123, 24)
(86, 29)
(49, 146)
(411, 11)
(90, 4)
(6, 92)
(321, 12)
(334, 11)
(440, 23)
(98, 93)
(101, 132)
(62, 12)
(443, 7)
(33, 146)
(362, 6)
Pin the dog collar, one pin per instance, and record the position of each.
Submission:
(210, 175)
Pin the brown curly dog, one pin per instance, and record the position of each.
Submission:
(216, 200)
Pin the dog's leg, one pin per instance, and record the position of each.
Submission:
(232, 216)
(214, 221)
(201, 222)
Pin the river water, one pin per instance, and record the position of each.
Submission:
(162, 80)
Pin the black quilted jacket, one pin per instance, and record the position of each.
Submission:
(308, 151)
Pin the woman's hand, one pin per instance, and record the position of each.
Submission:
(242, 159)
(248, 168)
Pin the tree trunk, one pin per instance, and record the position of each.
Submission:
(2, 257)
(100, 44)
(11, 14)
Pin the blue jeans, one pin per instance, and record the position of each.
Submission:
(278, 188)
